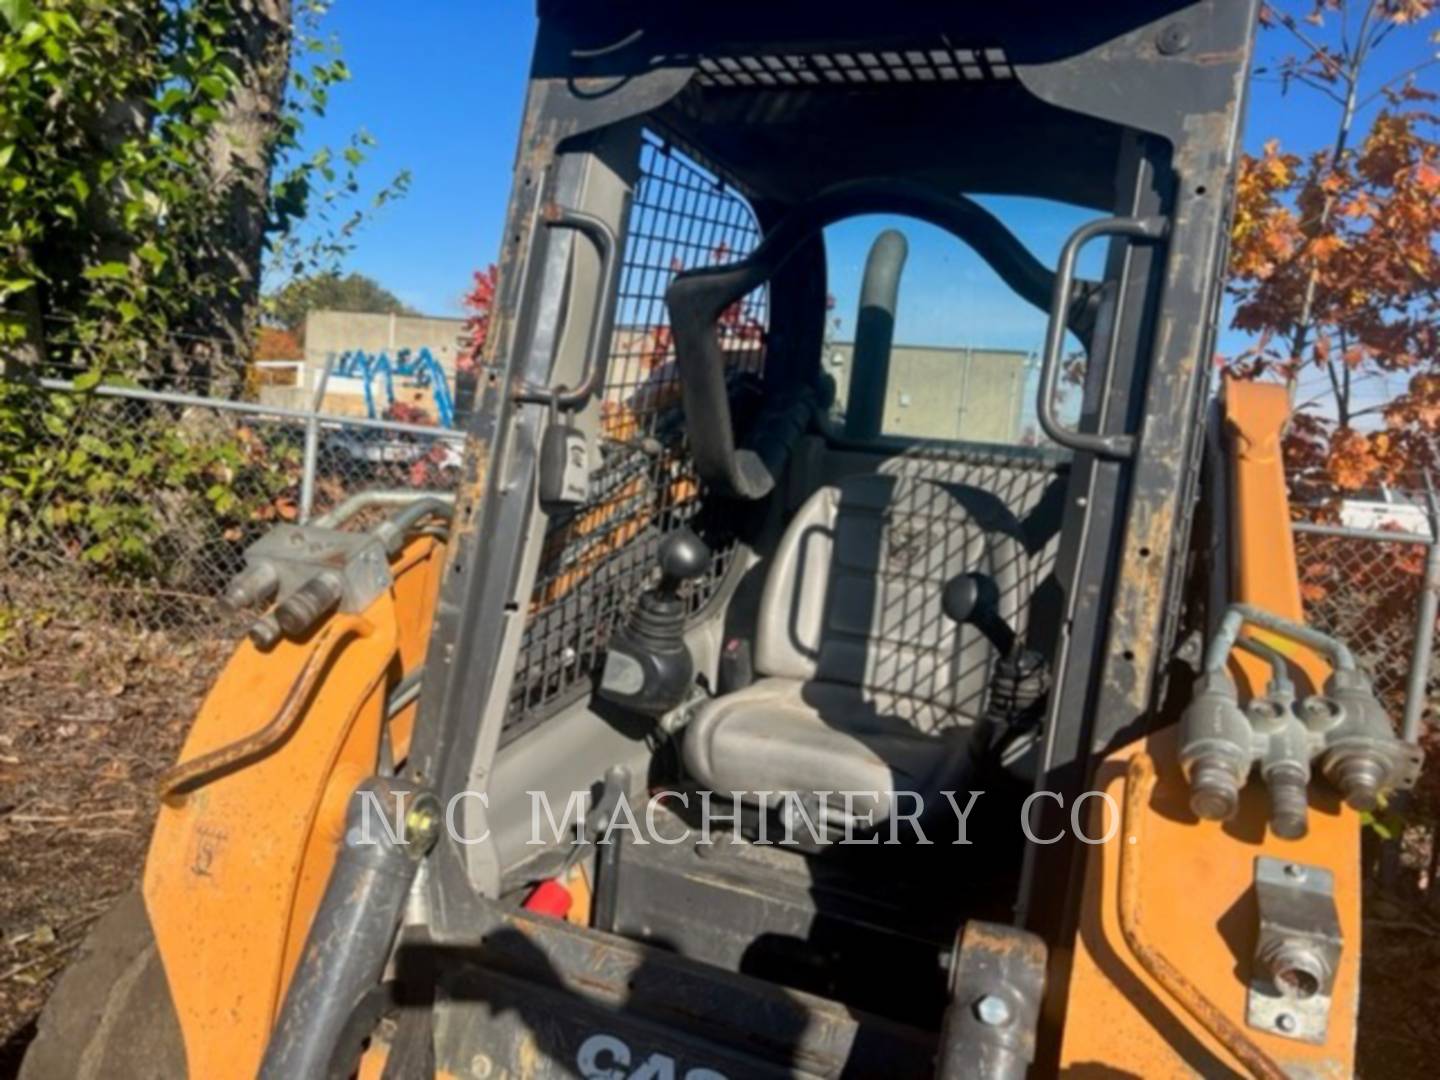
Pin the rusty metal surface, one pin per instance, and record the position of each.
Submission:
(185, 776)
(1139, 784)
(998, 983)
(535, 997)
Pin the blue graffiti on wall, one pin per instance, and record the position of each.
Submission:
(420, 369)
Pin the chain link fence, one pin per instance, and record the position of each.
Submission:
(123, 514)
(136, 506)
(1368, 575)
(1369, 564)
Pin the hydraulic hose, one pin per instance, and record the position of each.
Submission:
(1239, 614)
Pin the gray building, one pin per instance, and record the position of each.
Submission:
(329, 334)
(975, 395)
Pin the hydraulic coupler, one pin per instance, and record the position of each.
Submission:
(1343, 731)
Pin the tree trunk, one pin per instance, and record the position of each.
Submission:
(241, 152)
(29, 352)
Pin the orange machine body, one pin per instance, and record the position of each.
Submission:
(1192, 902)
(260, 841)
(237, 865)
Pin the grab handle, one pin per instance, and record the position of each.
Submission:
(598, 232)
(1112, 446)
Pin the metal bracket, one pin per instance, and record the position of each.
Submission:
(1297, 951)
(997, 980)
(308, 571)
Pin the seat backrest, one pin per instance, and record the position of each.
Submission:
(853, 593)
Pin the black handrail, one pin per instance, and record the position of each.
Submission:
(598, 232)
(1115, 445)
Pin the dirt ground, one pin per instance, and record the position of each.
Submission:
(89, 717)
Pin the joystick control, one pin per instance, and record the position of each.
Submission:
(648, 668)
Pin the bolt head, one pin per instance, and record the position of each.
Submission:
(1286, 1022)
(1295, 871)
(992, 1010)
(1173, 39)
(422, 824)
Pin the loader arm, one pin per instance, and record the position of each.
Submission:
(238, 862)
(1192, 897)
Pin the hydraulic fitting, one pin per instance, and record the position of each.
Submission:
(1362, 757)
(1289, 785)
(310, 571)
(1345, 732)
(1285, 744)
(302, 610)
(1215, 748)
(253, 586)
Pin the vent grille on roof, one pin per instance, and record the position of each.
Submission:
(888, 67)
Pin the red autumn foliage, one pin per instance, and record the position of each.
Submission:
(1335, 274)
(480, 303)
(276, 343)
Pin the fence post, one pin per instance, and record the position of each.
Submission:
(1417, 686)
(312, 442)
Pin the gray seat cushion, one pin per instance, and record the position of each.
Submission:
(870, 687)
(785, 736)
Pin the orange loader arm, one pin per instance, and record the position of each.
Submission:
(1162, 958)
(250, 827)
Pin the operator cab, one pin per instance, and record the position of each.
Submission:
(825, 353)
(845, 557)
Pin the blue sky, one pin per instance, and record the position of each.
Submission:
(439, 83)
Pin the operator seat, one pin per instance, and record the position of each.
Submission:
(866, 686)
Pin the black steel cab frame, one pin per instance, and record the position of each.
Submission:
(807, 114)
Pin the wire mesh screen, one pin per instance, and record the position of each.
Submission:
(1366, 592)
(597, 560)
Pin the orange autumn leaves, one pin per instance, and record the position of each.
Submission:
(1340, 256)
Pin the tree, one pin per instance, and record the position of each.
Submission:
(1334, 263)
(240, 153)
(149, 156)
(331, 292)
(277, 343)
(479, 304)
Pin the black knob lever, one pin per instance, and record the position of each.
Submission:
(975, 599)
(683, 557)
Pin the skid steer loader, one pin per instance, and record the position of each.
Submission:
(766, 704)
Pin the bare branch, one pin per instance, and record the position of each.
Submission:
(1400, 79)
(1309, 81)
(1318, 51)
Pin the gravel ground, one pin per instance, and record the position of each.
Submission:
(89, 715)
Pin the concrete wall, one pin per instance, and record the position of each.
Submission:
(334, 332)
(945, 393)
(330, 333)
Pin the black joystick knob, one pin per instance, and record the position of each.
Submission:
(683, 557)
(648, 667)
(975, 599)
(968, 596)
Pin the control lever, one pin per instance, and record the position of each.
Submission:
(975, 599)
(552, 896)
(1021, 680)
(612, 790)
(648, 668)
